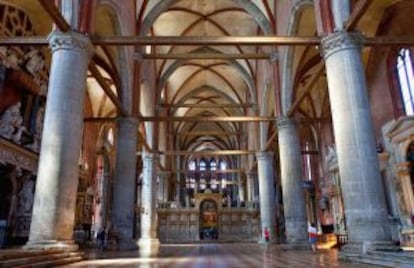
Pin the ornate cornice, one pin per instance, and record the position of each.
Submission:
(15, 155)
(70, 41)
(341, 40)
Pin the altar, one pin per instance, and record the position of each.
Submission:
(208, 221)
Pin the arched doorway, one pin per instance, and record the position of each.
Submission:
(208, 220)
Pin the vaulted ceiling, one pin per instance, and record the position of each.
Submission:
(204, 85)
(209, 81)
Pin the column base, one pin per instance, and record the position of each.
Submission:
(67, 245)
(126, 244)
(351, 249)
(148, 247)
(263, 241)
(296, 245)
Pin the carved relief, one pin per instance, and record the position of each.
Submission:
(35, 145)
(70, 41)
(11, 123)
(26, 196)
(17, 156)
(340, 41)
(284, 122)
(28, 59)
(331, 158)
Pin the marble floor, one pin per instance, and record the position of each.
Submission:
(217, 256)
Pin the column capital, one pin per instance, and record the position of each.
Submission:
(341, 40)
(70, 41)
(273, 56)
(127, 120)
(151, 156)
(263, 155)
(285, 122)
(139, 56)
(251, 173)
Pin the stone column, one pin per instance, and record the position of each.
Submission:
(124, 184)
(241, 186)
(149, 243)
(101, 201)
(267, 193)
(177, 181)
(251, 177)
(58, 173)
(291, 178)
(363, 193)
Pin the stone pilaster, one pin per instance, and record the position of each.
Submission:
(291, 172)
(123, 206)
(365, 210)
(404, 188)
(149, 243)
(161, 187)
(58, 172)
(267, 192)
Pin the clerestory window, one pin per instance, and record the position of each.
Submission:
(406, 80)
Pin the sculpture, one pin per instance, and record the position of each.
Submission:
(38, 130)
(26, 196)
(11, 123)
(34, 62)
(331, 156)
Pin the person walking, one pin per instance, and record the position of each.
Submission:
(266, 235)
(313, 236)
(100, 237)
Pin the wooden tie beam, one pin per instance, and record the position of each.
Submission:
(208, 40)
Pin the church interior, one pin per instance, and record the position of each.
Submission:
(204, 122)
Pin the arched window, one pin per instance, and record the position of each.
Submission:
(222, 176)
(213, 165)
(203, 168)
(404, 81)
(213, 176)
(307, 162)
(223, 165)
(191, 174)
(192, 165)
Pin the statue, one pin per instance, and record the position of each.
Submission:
(11, 123)
(35, 146)
(9, 58)
(43, 88)
(26, 196)
(331, 156)
(34, 62)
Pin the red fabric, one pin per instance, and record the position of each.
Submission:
(266, 233)
(312, 235)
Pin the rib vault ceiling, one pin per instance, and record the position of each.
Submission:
(206, 81)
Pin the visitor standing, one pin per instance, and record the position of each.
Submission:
(100, 237)
(313, 236)
(266, 235)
